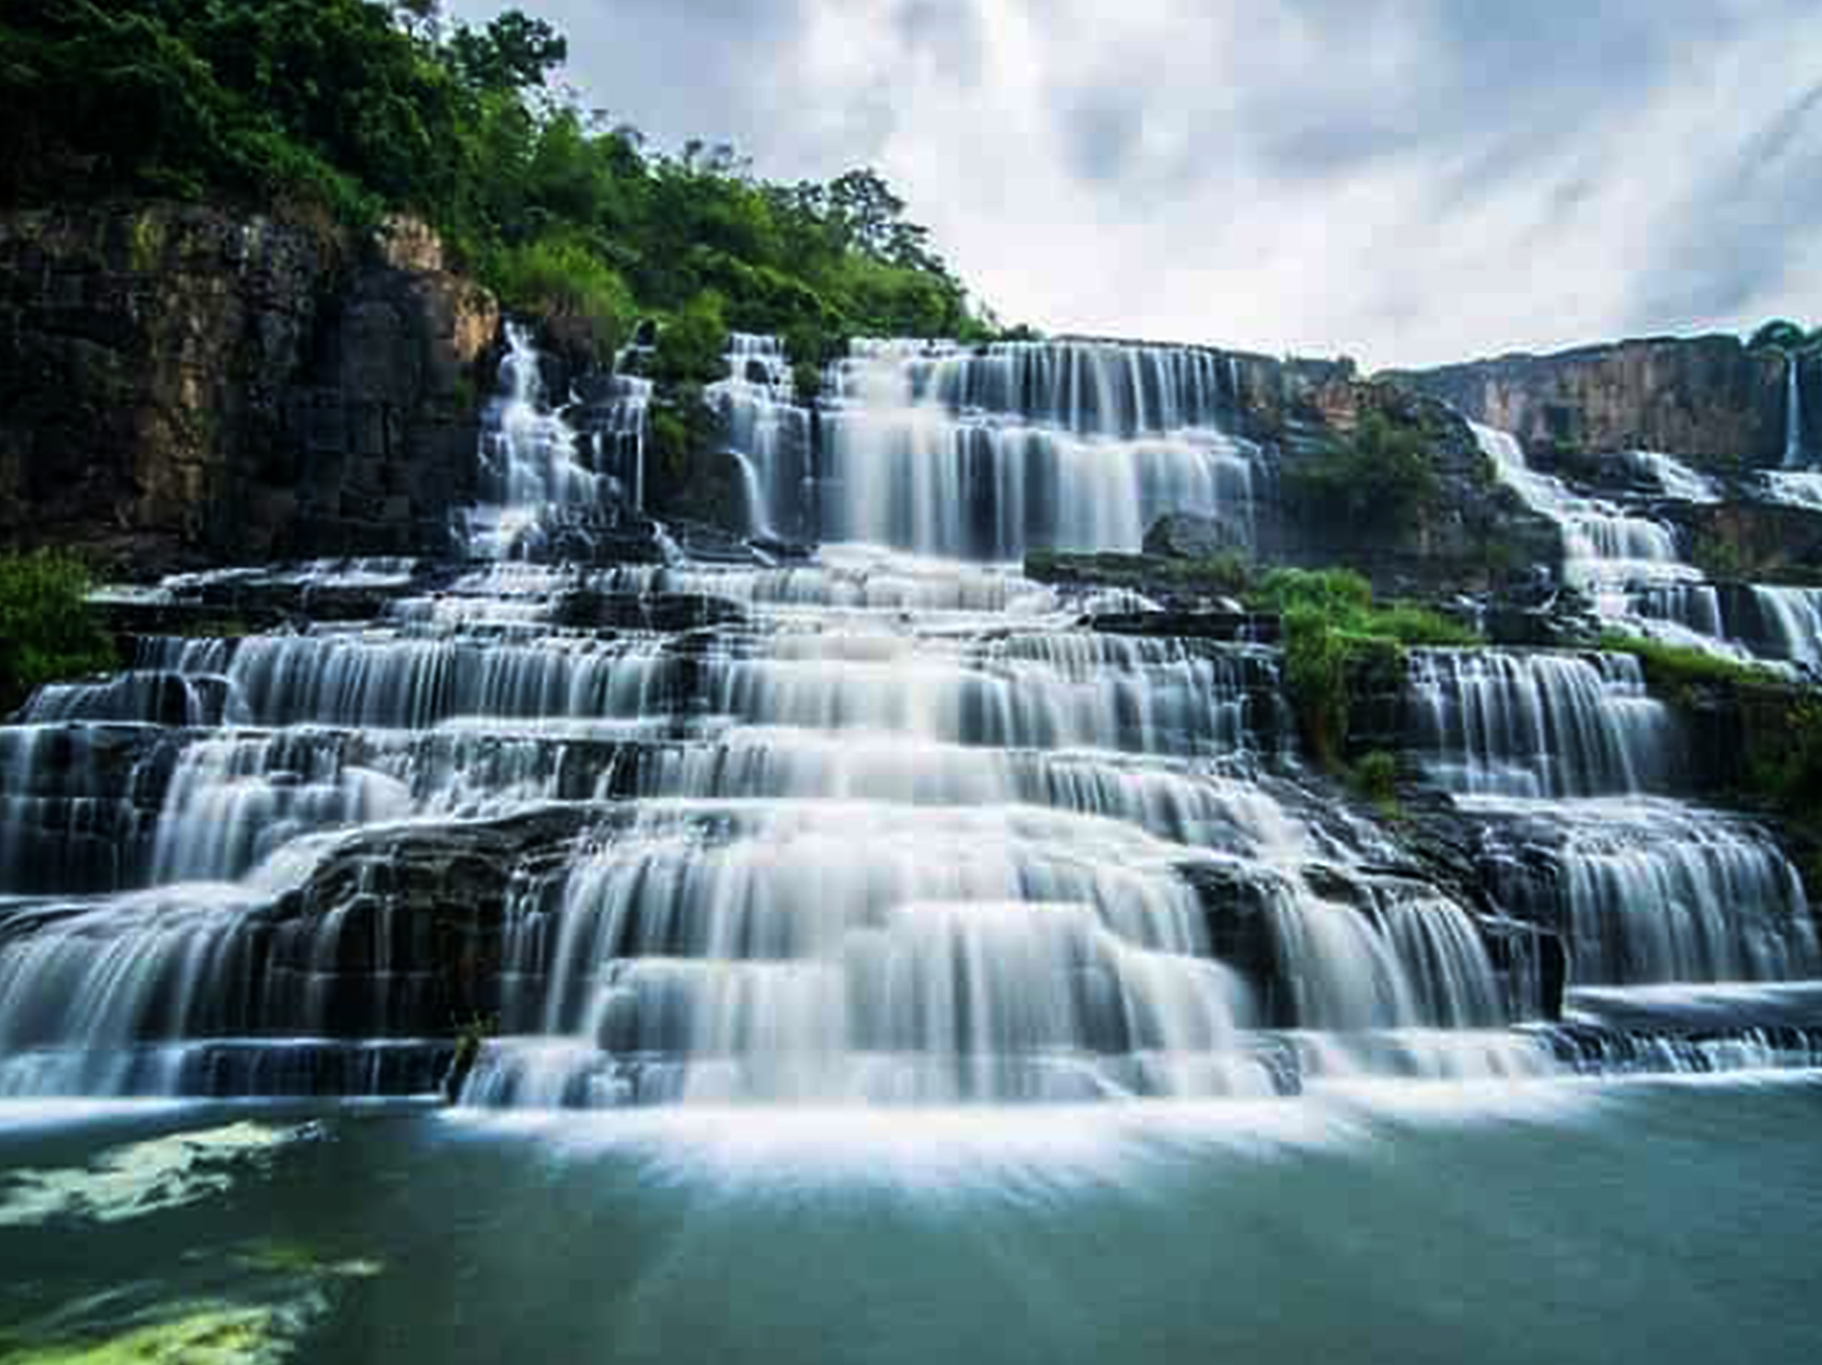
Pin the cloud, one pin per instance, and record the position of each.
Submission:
(1410, 181)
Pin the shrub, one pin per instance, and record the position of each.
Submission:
(692, 345)
(1330, 626)
(1376, 778)
(563, 281)
(48, 631)
(1779, 332)
(1381, 476)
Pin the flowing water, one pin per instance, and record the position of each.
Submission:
(1630, 562)
(925, 951)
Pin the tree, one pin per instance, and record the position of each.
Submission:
(1780, 333)
(514, 52)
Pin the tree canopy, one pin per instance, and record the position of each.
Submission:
(359, 108)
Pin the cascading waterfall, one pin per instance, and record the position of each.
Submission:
(1631, 566)
(1557, 753)
(530, 458)
(875, 827)
(1652, 891)
(767, 433)
(986, 452)
(1494, 722)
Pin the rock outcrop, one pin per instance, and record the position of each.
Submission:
(180, 386)
(1707, 399)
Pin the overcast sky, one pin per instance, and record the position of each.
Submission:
(1406, 181)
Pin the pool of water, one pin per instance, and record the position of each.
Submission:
(1563, 1221)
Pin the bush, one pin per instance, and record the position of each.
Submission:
(692, 345)
(577, 294)
(1780, 333)
(48, 631)
(1330, 626)
(1381, 476)
(1376, 779)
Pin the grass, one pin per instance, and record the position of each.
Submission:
(1675, 669)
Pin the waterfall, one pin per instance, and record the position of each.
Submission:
(1651, 891)
(1632, 569)
(1793, 414)
(530, 457)
(982, 453)
(869, 827)
(767, 433)
(1491, 722)
(1793, 617)
(1604, 547)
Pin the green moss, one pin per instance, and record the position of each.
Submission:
(1228, 573)
(207, 1335)
(1674, 670)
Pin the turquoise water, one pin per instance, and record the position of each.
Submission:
(1607, 1221)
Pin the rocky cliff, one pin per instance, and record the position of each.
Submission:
(1706, 399)
(181, 386)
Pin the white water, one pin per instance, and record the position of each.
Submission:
(1632, 570)
(899, 831)
(764, 428)
(987, 452)
(1793, 415)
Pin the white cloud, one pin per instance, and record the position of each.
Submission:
(1410, 181)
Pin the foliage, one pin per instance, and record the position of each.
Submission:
(1331, 626)
(1376, 779)
(1675, 669)
(1381, 476)
(355, 108)
(48, 631)
(1228, 572)
(1781, 333)
(689, 349)
(1793, 775)
(575, 292)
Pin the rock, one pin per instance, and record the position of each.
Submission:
(180, 386)
(1185, 535)
(664, 611)
(1704, 399)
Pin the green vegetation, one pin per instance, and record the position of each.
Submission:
(1331, 627)
(349, 109)
(1784, 335)
(47, 629)
(1381, 477)
(1375, 777)
(1674, 670)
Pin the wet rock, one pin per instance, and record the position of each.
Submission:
(664, 611)
(1184, 535)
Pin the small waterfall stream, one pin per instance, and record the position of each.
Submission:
(1793, 415)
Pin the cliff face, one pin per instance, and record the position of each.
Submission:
(180, 386)
(1705, 399)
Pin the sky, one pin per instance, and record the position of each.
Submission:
(1405, 181)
